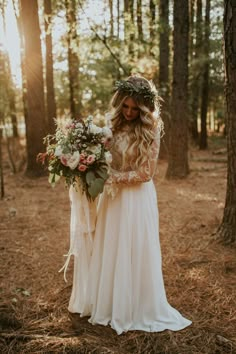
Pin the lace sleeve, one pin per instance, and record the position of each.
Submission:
(146, 170)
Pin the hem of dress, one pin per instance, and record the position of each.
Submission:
(151, 328)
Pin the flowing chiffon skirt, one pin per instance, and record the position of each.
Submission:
(119, 282)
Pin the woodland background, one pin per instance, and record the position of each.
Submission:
(62, 58)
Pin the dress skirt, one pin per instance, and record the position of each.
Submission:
(119, 281)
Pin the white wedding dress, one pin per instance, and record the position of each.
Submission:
(118, 279)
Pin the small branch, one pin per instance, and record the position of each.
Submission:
(104, 41)
(26, 336)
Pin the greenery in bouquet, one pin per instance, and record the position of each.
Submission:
(78, 152)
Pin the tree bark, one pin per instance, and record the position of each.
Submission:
(73, 59)
(126, 20)
(36, 122)
(227, 230)
(2, 191)
(152, 9)
(205, 80)
(164, 58)
(129, 25)
(178, 152)
(111, 18)
(196, 75)
(118, 18)
(191, 30)
(51, 102)
(139, 20)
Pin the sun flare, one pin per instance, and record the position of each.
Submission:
(10, 41)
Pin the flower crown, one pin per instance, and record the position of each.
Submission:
(132, 90)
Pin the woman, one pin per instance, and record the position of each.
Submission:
(121, 283)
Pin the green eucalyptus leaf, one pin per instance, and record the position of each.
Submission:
(90, 177)
(102, 173)
(96, 187)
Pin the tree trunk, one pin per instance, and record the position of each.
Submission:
(36, 122)
(164, 58)
(51, 103)
(197, 75)
(111, 18)
(205, 80)
(227, 229)
(139, 20)
(178, 151)
(129, 25)
(73, 59)
(132, 29)
(126, 20)
(118, 18)
(2, 192)
(152, 9)
(2, 95)
(191, 30)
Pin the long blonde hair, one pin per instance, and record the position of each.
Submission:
(146, 125)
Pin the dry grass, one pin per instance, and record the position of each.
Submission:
(200, 275)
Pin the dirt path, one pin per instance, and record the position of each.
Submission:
(200, 275)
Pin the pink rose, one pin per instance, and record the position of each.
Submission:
(63, 159)
(82, 157)
(82, 168)
(90, 159)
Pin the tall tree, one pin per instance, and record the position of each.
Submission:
(111, 18)
(118, 18)
(227, 229)
(205, 79)
(139, 20)
(36, 122)
(196, 74)
(178, 148)
(152, 9)
(164, 58)
(73, 59)
(191, 29)
(51, 102)
(129, 24)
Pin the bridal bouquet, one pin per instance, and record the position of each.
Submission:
(79, 152)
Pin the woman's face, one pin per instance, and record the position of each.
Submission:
(130, 109)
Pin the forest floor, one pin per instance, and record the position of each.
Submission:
(199, 273)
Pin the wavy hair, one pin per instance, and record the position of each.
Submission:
(145, 126)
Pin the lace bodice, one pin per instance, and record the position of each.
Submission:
(121, 168)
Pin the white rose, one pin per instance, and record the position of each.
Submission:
(73, 161)
(94, 129)
(107, 132)
(58, 151)
(108, 157)
(79, 125)
(96, 150)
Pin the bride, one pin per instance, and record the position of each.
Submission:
(118, 279)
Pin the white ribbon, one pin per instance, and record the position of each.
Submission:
(82, 223)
